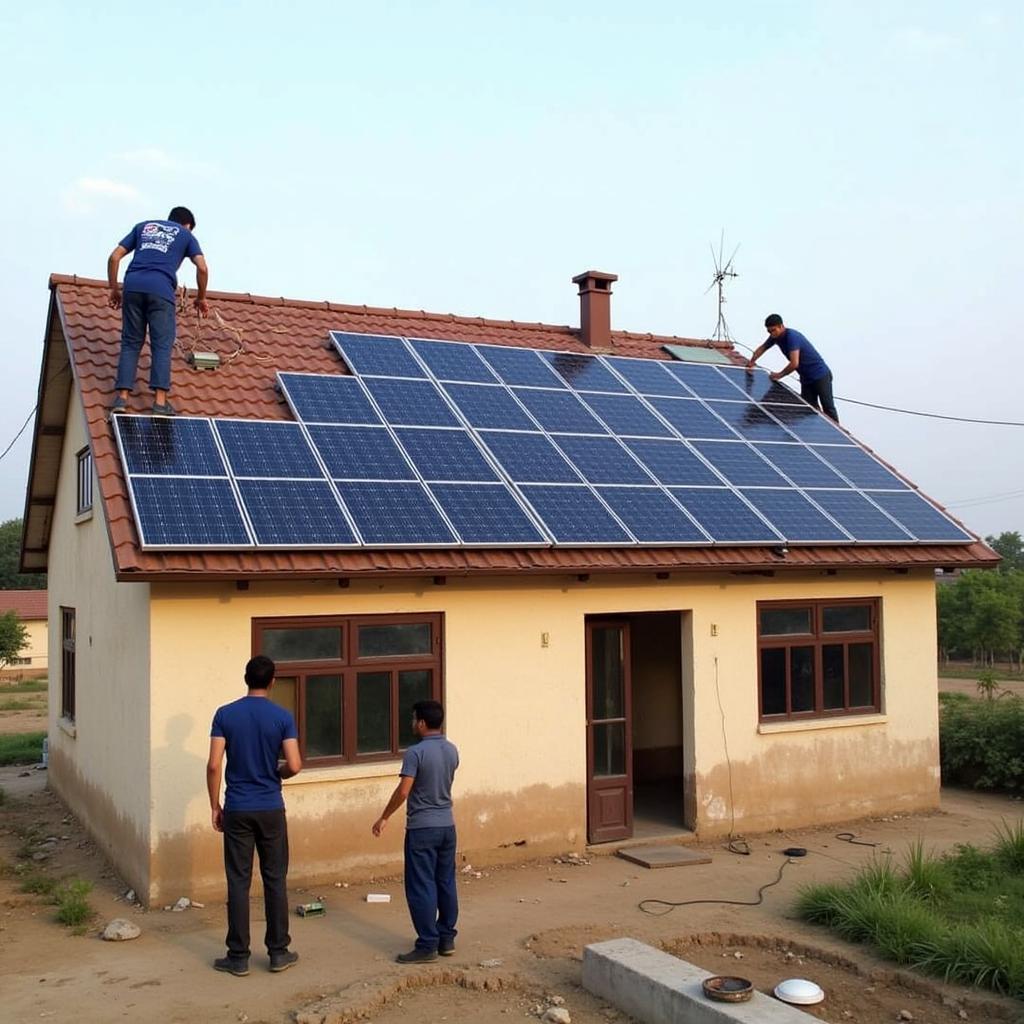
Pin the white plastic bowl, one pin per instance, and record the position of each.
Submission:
(799, 991)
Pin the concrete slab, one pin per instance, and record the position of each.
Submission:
(663, 856)
(656, 988)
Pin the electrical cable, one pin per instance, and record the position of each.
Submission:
(670, 905)
(35, 409)
(851, 837)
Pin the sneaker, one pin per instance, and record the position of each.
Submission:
(118, 405)
(417, 956)
(163, 410)
(232, 965)
(446, 947)
(282, 961)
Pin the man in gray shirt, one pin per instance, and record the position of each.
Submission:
(426, 782)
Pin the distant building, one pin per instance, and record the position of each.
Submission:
(30, 607)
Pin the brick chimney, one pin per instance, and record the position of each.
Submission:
(595, 308)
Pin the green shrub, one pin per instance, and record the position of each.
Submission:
(1010, 845)
(72, 901)
(21, 748)
(38, 883)
(981, 743)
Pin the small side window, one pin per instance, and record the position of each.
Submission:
(84, 499)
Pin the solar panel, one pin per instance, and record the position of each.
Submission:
(583, 372)
(574, 515)
(484, 406)
(739, 464)
(395, 514)
(319, 398)
(487, 514)
(295, 513)
(267, 449)
(860, 518)
(692, 418)
(801, 465)
(725, 517)
(410, 402)
(445, 454)
(750, 421)
(559, 412)
(860, 468)
(529, 458)
(793, 515)
(178, 447)
(758, 386)
(360, 453)
(626, 416)
(704, 381)
(370, 354)
(192, 512)
(918, 516)
(522, 366)
(672, 462)
(449, 360)
(649, 377)
(810, 425)
(652, 516)
(602, 460)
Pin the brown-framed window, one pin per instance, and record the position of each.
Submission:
(351, 681)
(67, 663)
(84, 498)
(818, 658)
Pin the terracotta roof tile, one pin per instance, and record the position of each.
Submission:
(28, 604)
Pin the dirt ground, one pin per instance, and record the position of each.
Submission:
(522, 931)
(970, 686)
(24, 719)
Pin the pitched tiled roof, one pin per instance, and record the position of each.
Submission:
(28, 604)
(257, 336)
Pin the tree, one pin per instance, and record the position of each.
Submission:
(10, 557)
(13, 637)
(1010, 547)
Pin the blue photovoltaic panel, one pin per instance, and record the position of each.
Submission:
(810, 425)
(750, 421)
(559, 412)
(520, 366)
(445, 454)
(793, 515)
(672, 462)
(574, 515)
(649, 376)
(652, 516)
(920, 517)
(692, 418)
(295, 512)
(415, 403)
(739, 464)
(395, 514)
(601, 460)
(627, 416)
(449, 360)
(360, 453)
(190, 512)
(529, 457)
(486, 514)
(265, 449)
(489, 407)
(704, 381)
(370, 354)
(166, 447)
(724, 516)
(860, 468)
(758, 386)
(801, 465)
(583, 372)
(855, 514)
(319, 398)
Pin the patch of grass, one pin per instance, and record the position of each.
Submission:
(21, 748)
(961, 671)
(26, 686)
(72, 899)
(15, 704)
(38, 883)
(1009, 844)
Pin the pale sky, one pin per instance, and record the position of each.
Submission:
(471, 158)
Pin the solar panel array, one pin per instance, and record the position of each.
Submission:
(447, 444)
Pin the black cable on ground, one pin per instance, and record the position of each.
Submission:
(669, 905)
(738, 845)
(851, 837)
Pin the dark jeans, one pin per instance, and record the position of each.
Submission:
(140, 310)
(267, 832)
(430, 884)
(819, 394)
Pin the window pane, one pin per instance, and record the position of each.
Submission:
(283, 693)
(832, 684)
(610, 749)
(782, 621)
(862, 670)
(401, 638)
(801, 667)
(845, 618)
(323, 716)
(773, 681)
(608, 668)
(373, 712)
(322, 643)
(413, 685)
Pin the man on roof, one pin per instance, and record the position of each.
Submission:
(815, 376)
(147, 300)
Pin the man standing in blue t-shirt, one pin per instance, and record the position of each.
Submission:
(254, 732)
(815, 376)
(149, 297)
(426, 782)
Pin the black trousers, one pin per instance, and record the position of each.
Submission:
(266, 833)
(819, 394)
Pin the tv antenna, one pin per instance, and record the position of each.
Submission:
(722, 271)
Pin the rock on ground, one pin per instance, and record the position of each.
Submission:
(120, 930)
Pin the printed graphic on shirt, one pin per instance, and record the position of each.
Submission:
(158, 236)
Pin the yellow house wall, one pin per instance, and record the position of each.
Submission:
(36, 646)
(99, 764)
(516, 709)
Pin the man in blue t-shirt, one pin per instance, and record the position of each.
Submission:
(148, 299)
(254, 732)
(815, 376)
(426, 782)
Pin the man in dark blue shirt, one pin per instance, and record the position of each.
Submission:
(148, 299)
(254, 732)
(815, 376)
(426, 782)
